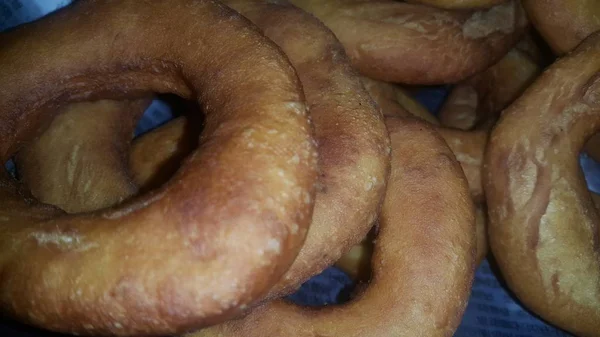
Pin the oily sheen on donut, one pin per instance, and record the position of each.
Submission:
(399, 42)
(543, 223)
(213, 239)
(79, 163)
(422, 261)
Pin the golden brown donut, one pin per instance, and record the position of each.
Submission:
(459, 4)
(543, 224)
(422, 264)
(564, 23)
(352, 139)
(205, 245)
(79, 163)
(414, 44)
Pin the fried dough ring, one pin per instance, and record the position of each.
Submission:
(93, 139)
(399, 42)
(543, 224)
(352, 139)
(212, 240)
(459, 4)
(564, 23)
(422, 264)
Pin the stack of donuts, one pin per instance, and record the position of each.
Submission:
(298, 146)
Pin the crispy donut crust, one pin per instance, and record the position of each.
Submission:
(92, 140)
(212, 240)
(564, 23)
(423, 262)
(543, 224)
(399, 42)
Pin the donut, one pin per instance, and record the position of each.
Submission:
(564, 24)
(459, 4)
(405, 43)
(211, 241)
(422, 262)
(350, 133)
(543, 226)
(92, 138)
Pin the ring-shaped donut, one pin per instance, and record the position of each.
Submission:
(543, 224)
(220, 233)
(399, 42)
(423, 262)
(350, 133)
